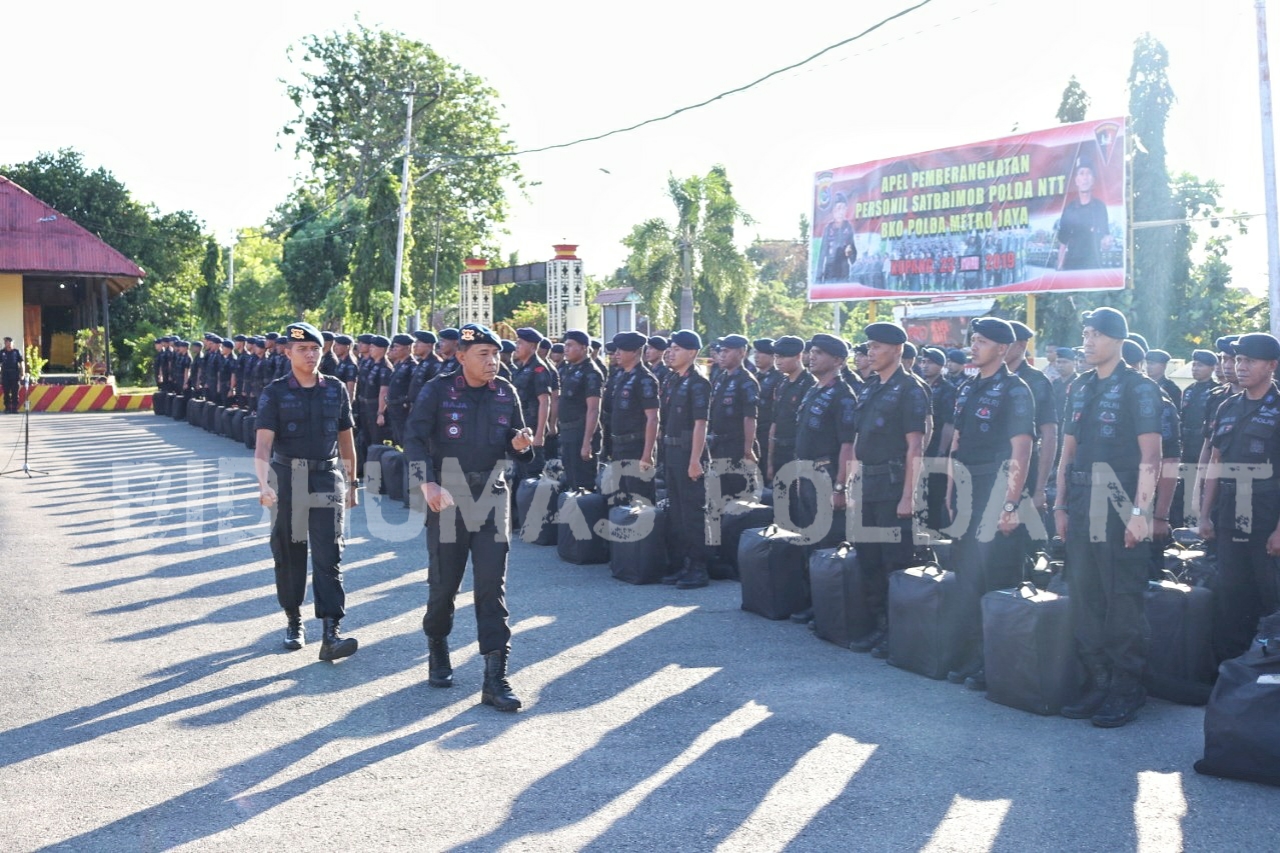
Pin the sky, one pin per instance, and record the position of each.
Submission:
(186, 108)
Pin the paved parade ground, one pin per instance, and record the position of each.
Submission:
(148, 703)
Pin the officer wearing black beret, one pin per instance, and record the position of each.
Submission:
(735, 406)
(1228, 386)
(197, 363)
(581, 385)
(447, 348)
(1112, 443)
(634, 407)
(1245, 431)
(768, 375)
(424, 350)
(226, 370)
(787, 397)
(1195, 403)
(1064, 363)
(346, 371)
(942, 396)
(655, 349)
(686, 405)
(398, 400)
(894, 422)
(328, 361)
(532, 378)
(181, 366)
(909, 355)
(1044, 448)
(1157, 363)
(956, 361)
(463, 427)
(305, 462)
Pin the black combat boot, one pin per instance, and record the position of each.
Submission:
(694, 577)
(674, 578)
(333, 645)
(497, 691)
(872, 639)
(1094, 696)
(1123, 701)
(439, 667)
(294, 637)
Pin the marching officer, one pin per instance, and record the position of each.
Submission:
(768, 375)
(581, 384)
(398, 400)
(942, 395)
(13, 370)
(374, 397)
(994, 430)
(424, 350)
(735, 405)
(1245, 431)
(634, 405)
(686, 406)
(1157, 361)
(1113, 421)
(304, 444)
(463, 427)
(787, 397)
(893, 427)
(532, 379)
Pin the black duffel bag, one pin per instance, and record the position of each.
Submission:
(160, 403)
(235, 425)
(211, 411)
(577, 540)
(1180, 659)
(924, 618)
(178, 408)
(840, 611)
(251, 430)
(772, 569)
(1029, 649)
(195, 412)
(737, 517)
(1242, 720)
(542, 530)
(638, 546)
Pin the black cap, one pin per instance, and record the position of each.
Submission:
(302, 332)
(1204, 356)
(271, 336)
(1259, 345)
(327, 335)
(181, 343)
(629, 341)
(610, 347)
(596, 343)
(734, 342)
(366, 338)
(379, 341)
(886, 333)
(993, 329)
(687, 339)
(1021, 331)
(240, 338)
(342, 339)
(935, 355)
(227, 342)
(957, 355)
(532, 336)
(658, 342)
(193, 343)
(557, 349)
(1158, 355)
(1131, 352)
(402, 340)
(578, 336)
(909, 350)
(450, 335)
(830, 344)
(862, 348)
(474, 333)
(1107, 321)
(788, 346)
(1225, 344)
(424, 337)
(1064, 352)
(1139, 340)
(508, 346)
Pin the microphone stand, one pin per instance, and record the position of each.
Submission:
(26, 441)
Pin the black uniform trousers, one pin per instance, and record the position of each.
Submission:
(686, 509)
(487, 548)
(1248, 585)
(737, 477)
(881, 559)
(982, 567)
(397, 417)
(630, 486)
(579, 473)
(1107, 583)
(327, 489)
(11, 384)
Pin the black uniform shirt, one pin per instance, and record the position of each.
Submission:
(942, 394)
(1215, 398)
(1171, 390)
(423, 372)
(212, 367)
(11, 363)
(453, 420)
(826, 420)
(1195, 406)
(1247, 432)
(577, 383)
(634, 393)
(1106, 416)
(532, 379)
(398, 384)
(787, 398)
(306, 421)
(769, 380)
(379, 376)
(1170, 430)
(989, 413)
(685, 399)
(887, 412)
(734, 396)
(329, 364)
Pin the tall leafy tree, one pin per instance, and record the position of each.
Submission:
(316, 255)
(373, 267)
(209, 307)
(259, 301)
(1075, 102)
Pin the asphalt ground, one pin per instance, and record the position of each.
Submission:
(148, 703)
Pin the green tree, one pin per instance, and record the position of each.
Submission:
(1075, 102)
(316, 255)
(210, 309)
(373, 268)
(259, 301)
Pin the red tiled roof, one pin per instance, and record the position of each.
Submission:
(37, 240)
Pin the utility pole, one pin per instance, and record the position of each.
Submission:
(231, 277)
(1269, 170)
(435, 268)
(404, 207)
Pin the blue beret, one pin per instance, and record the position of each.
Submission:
(425, 337)
(240, 338)
(1107, 321)
(1225, 343)
(327, 335)
(227, 342)
(181, 343)
(993, 329)
(271, 336)
(545, 343)
(1021, 331)
(345, 340)
(210, 337)
(450, 335)
(402, 340)
(1204, 356)
(830, 344)
(379, 341)
(734, 342)
(657, 342)
(788, 346)
(528, 335)
(1259, 345)
(1139, 340)
(629, 341)
(366, 338)
(886, 333)
(302, 333)
(935, 355)
(611, 347)
(686, 339)
(1132, 352)
(764, 345)
(474, 333)
(1064, 352)
(557, 349)
(862, 349)
(957, 355)
(596, 343)
(578, 336)
(909, 350)
(1158, 355)
(508, 346)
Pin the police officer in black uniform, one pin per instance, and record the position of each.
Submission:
(212, 367)
(894, 423)
(1044, 449)
(13, 369)
(373, 398)
(1216, 396)
(533, 381)
(943, 396)
(424, 350)
(227, 370)
(735, 406)
(196, 350)
(1113, 420)
(956, 362)
(347, 371)
(1245, 431)
(768, 375)
(654, 357)
(238, 342)
(686, 406)
(447, 349)
(788, 394)
(328, 361)
(398, 399)
(463, 426)
(1064, 363)
(1157, 362)
(581, 385)
(304, 447)
(994, 429)
(634, 405)
(1193, 416)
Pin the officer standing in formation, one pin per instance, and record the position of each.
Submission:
(1044, 448)
(686, 407)
(1112, 440)
(532, 378)
(943, 396)
(581, 386)
(633, 421)
(788, 394)
(768, 375)
(397, 396)
(463, 427)
(13, 370)
(305, 447)
(735, 402)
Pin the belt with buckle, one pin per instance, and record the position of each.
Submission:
(311, 464)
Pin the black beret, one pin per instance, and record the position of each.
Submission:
(1064, 352)
(1107, 321)
(862, 349)
(302, 332)
(450, 335)
(596, 343)
(788, 346)
(327, 335)
(658, 342)
(197, 344)
(764, 345)
(423, 336)
(379, 341)
(557, 349)
(935, 355)
(508, 346)
(1021, 331)
(1139, 340)
(909, 350)
(993, 329)
(402, 340)
(629, 341)
(686, 339)
(1259, 345)
(240, 338)
(1225, 343)
(830, 344)
(532, 336)
(886, 333)
(1158, 355)
(366, 338)
(734, 342)
(345, 340)
(957, 355)
(577, 335)
(474, 333)
(1204, 356)
(545, 343)
(610, 347)
(227, 342)
(212, 338)
(181, 343)
(1132, 352)
(271, 336)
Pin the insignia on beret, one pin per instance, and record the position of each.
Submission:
(297, 334)
(468, 334)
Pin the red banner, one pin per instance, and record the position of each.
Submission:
(1034, 213)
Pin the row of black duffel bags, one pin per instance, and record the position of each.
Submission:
(239, 425)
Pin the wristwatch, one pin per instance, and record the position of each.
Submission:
(839, 490)
(1010, 506)
(1137, 512)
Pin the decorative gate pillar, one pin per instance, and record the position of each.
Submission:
(566, 292)
(476, 299)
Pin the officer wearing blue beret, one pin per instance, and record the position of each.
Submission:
(686, 406)
(463, 428)
(655, 350)
(731, 431)
(428, 363)
(447, 348)
(1044, 448)
(534, 381)
(398, 401)
(1195, 403)
(305, 449)
(788, 394)
(581, 387)
(942, 396)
